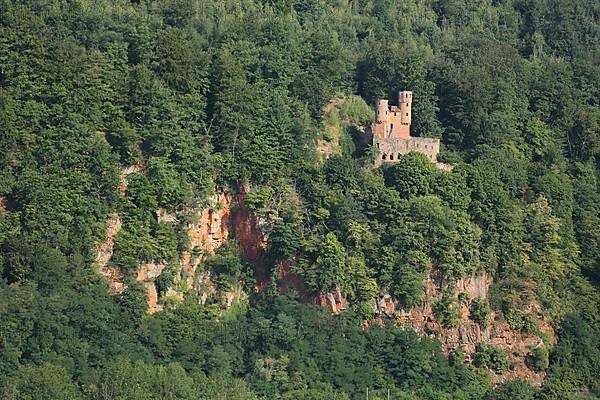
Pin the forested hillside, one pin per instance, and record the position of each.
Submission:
(209, 160)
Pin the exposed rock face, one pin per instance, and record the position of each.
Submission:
(289, 281)
(332, 145)
(147, 274)
(467, 333)
(210, 228)
(444, 166)
(105, 252)
(233, 296)
(208, 231)
(333, 301)
(213, 225)
(337, 119)
(3, 205)
(206, 235)
(252, 240)
(125, 171)
(164, 217)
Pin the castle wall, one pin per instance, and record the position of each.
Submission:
(391, 132)
(390, 149)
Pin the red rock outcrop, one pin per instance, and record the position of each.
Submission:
(206, 235)
(147, 274)
(3, 205)
(125, 171)
(333, 301)
(251, 239)
(105, 252)
(288, 280)
(209, 231)
(467, 333)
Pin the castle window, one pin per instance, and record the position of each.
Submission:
(384, 156)
(394, 113)
(407, 114)
(398, 156)
(391, 157)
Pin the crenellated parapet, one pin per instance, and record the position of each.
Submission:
(391, 131)
(390, 149)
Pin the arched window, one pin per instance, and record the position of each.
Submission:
(384, 156)
(392, 157)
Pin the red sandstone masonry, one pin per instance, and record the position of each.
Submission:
(391, 132)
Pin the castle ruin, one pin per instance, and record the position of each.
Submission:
(391, 132)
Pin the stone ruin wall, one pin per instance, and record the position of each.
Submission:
(391, 132)
(390, 149)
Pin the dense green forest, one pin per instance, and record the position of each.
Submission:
(215, 95)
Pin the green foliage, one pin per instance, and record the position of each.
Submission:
(44, 382)
(492, 357)
(133, 302)
(538, 359)
(199, 96)
(516, 319)
(228, 267)
(356, 111)
(480, 311)
(512, 389)
(411, 175)
(446, 310)
(258, 198)
(327, 270)
(284, 240)
(408, 280)
(165, 279)
(574, 360)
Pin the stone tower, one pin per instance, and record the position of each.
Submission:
(391, 131)
(405, 103)
(394, 121)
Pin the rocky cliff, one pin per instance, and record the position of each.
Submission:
(210, 227)
(465, 333)
(105, 252)
(228, 217)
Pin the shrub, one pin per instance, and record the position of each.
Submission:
(446, 311)
(538, 359)
(492, 357)
(480, 311)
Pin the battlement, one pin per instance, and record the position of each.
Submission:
(391, 131)
(394, 121)
(390, 149)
